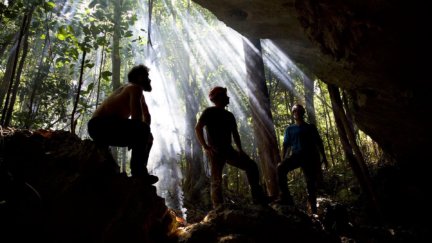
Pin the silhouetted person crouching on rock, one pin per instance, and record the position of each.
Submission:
(123, 119)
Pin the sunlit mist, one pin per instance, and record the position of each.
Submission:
(280, 65)
(188, 46)
(214, 56)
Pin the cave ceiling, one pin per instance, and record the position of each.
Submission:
(373, 50)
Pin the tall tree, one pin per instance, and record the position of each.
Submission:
(100, 75)
(195, 174)
(329, 126)
(261, 113)
(149, 28)
(116, 62)
(195, 177)
(78, 93)
(20, 68)
(14, 60)
(351, 149)
(7, 76)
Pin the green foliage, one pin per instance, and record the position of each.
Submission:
(106, 75)
(61, 31)
(49, 6)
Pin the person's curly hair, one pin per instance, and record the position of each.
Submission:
(136, 71)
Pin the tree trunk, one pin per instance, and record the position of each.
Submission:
(19, 71)
(7, 77)
(116, 62)
(101, 67)
(195, 177)
(14, 55)
(329, 127)
(150, 12)
(261, 114)
(73, 121)
(351, 149)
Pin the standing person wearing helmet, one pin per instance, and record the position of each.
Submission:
(221, 127)
(306, 146)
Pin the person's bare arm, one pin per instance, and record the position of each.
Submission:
(236, 138)
(145, 112)
(199, 131)
(135, 94)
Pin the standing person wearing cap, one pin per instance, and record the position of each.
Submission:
(305, 146)
(221, 127)
(110, 124)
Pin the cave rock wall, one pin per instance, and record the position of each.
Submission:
(373, 50)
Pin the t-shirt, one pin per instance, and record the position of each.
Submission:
(302, 138)
(219, 124)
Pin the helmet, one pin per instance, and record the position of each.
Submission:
(298, 108)
(216, 91)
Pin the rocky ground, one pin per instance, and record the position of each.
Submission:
(55, 187)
